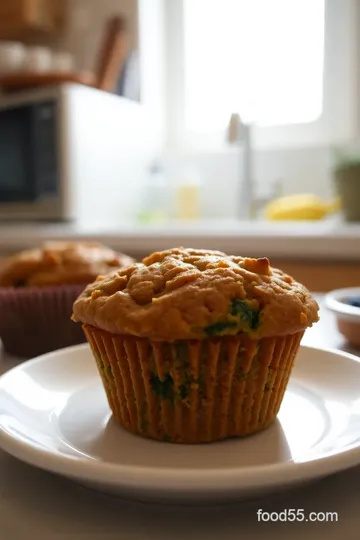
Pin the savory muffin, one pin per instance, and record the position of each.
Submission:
(193, 345)
(38, 288)
(59, 263)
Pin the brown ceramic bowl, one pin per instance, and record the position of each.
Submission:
(345, 304)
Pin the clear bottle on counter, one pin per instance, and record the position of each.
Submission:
(155, 197)
(187, 195)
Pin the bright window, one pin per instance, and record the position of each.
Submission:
(260, 58)
(290, 67)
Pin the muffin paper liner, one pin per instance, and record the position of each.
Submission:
(194, 391)
(36, 320)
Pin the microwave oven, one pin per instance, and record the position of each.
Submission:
(73, 153)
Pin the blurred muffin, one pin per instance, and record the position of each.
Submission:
(38, 288)
(195, 346)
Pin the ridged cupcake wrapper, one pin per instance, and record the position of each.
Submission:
(195, 391)
(37, 320)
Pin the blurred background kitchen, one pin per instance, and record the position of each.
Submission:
(223, 124)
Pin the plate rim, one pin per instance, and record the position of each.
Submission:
(171, 479)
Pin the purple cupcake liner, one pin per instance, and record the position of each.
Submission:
(37, 320)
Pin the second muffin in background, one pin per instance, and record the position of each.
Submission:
(37, 291)
(195, 346)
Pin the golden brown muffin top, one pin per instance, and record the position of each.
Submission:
(59, 263)
(193, 294)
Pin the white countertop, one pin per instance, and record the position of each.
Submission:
(328, 239)
(51, 508)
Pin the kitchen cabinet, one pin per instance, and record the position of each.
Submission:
(31, 20)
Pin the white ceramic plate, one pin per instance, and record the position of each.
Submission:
(54, 415)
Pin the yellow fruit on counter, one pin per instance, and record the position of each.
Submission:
(304, 206)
